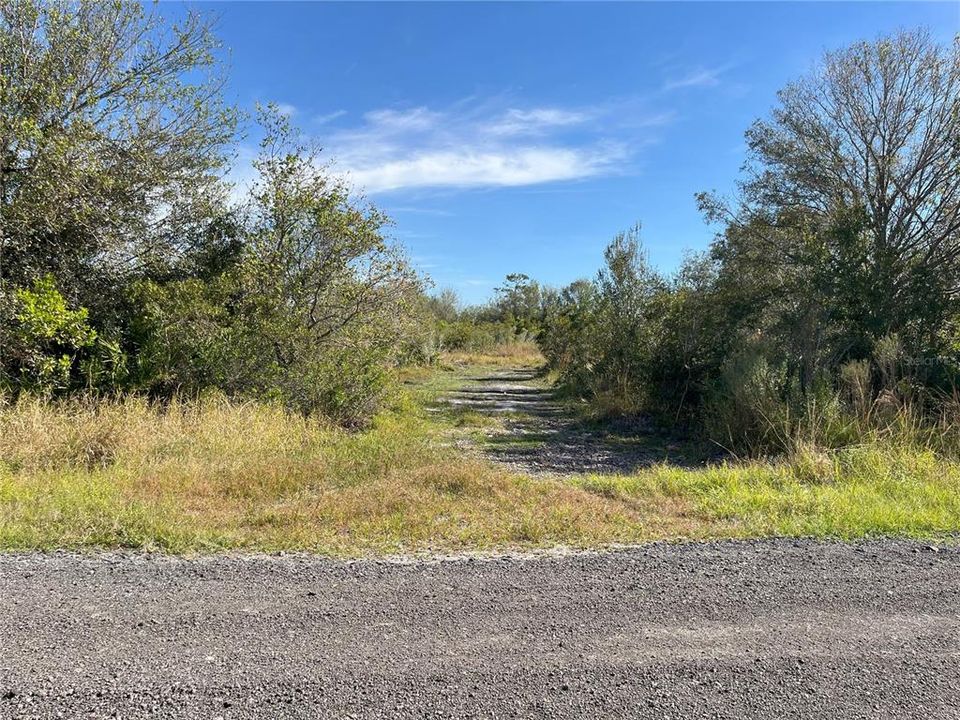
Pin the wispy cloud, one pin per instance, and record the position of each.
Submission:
(399, 121)
(419, 210)
(699, 77)
(286, 109)
(329, 117)
(474, 145)
(535, 121)
(477, 168)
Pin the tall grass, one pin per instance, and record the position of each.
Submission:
(212, 474)
(867, 490)
(756, 410)
(518, 353)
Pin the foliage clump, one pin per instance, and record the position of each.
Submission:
(126, 265)
(828, 305)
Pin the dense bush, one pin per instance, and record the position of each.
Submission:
(828, 305)
(515, 315)
(312, 309)
(45, 341)
(124, 265)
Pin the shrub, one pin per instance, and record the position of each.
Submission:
(46, 340)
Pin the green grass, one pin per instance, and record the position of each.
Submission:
(856, 492)
(517, 442)
(214, 475)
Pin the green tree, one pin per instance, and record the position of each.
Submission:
(849, 226)
(444, 306)
(602, 336)
(628, 288)
(112, 136)
(313, 312)
(567, 339)
(519, 302)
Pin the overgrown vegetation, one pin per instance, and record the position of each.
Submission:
(512, 319)
(213, 474)
(187, 365)
(124, 264)
(826, 310)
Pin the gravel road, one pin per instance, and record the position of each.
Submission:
(542, 435)
(766, 629)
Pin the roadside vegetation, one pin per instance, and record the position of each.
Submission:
(187, 365)
(129, 265)
(213, 474)
(826, 310)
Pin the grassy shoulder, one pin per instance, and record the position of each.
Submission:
(870, 490)
(214, 475)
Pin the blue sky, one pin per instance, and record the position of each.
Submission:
(521, 137)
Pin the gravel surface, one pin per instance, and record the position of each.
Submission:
(542, 435)
(764, 629)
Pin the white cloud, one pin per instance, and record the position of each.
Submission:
(650, 121)
(701, 77)
(472, 168)
(419, 210)
(474, 145)
(537, 120)
(329, 117)
(398, 121)
(286, 109)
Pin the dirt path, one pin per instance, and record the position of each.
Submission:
(538, 433)
(766, 629)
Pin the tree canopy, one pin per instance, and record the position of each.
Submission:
(838, 260)
(123, 263)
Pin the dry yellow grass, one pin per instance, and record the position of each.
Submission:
(215, 475)
(518, 354)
